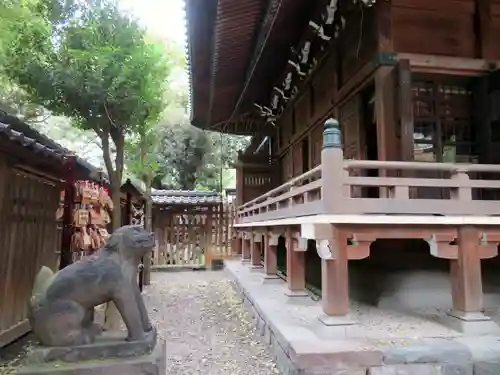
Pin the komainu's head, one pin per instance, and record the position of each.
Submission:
(131, 241)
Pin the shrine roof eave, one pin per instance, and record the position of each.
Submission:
(235, 51)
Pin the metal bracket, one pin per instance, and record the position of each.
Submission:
(385, 58)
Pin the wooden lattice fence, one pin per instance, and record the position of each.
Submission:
(192, 236)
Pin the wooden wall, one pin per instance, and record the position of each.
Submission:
(457, 28)
(357, 42)
(461, 28)
(444, 27)
(29, 239)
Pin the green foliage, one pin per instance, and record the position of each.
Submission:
(95, 68)
(91, 64)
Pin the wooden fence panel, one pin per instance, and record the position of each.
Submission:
(193, 236)
(29, 239)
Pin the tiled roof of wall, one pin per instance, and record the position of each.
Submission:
(8, 132)
(184, 197)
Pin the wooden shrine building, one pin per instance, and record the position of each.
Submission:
(374, 127)
(33, 172)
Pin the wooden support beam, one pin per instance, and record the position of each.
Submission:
(405, 104)
(4, 178)
(246, 248)
(385, 113)
(384, 26)
(467, 289)
(255, 254)
(295, 267)
(66, 256)
(236, 243)
(485, 43)
(463, 66)
(270, 255)
(334, 281)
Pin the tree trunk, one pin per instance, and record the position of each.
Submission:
(117, 211)
(148, 225)
(112, 319)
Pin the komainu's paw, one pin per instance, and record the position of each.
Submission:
(84, 338)
(95, 330)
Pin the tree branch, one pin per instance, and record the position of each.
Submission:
(106, 153)
(120, 151)
(108, 115)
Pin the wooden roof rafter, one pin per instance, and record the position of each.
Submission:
(201, 17)
(273, 7)
(235, 35)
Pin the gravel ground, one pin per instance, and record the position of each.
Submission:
(206, 328)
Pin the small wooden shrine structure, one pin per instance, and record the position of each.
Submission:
(33, 172)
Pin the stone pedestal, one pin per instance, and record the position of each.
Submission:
(109, 355)
(470, 324)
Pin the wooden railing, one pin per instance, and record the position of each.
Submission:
(339, 186)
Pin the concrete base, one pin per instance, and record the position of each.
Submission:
(296, 293)
(271, 277)
(245, 261)
(303, 345)
(471, 324)
(257, 268)
(154, 363)
(330, 321)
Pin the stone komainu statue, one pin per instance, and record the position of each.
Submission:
(61, 309)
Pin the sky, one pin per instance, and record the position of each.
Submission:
(164, 18)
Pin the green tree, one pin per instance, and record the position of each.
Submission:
(96, 67)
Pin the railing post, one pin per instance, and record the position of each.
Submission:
(461, 193)
(332, 162)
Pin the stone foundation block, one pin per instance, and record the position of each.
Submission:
(415, 369)
(149, 364)
(429, 351)
(487, 367)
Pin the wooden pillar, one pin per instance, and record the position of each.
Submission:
(385, 40)
(334, 279)
(245, 253)
(405, 104)
(4, 179)
(270, 255)
(128, 209)
(66, 257)
(255, 251)
(240, 183)
(487, 43)
(295, 266)
(236, 243)
(467, 289)
(385, 112)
